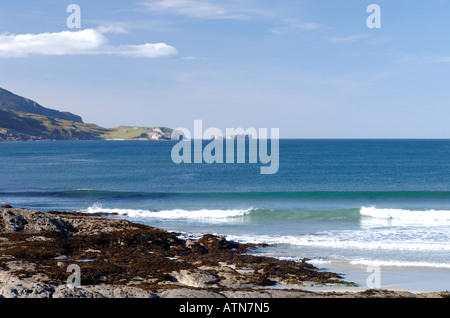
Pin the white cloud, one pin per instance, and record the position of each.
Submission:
(112, 29)
(83, 42)
(205, 9)
(148, 50)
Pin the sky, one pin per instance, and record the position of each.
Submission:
(312, 68)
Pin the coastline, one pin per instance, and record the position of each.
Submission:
(121, 259)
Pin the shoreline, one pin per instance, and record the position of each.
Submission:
(117, 259)
(402, 278)
(396, 278)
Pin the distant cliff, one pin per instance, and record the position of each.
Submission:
(15, 103)
(22, 119)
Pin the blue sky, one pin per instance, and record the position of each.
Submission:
(311, 68)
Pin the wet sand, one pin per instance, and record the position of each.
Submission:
(412, 279)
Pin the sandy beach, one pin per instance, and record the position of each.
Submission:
(412, 279)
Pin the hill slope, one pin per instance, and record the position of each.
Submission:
(24, 126)
(22, 119)
(131, 132)
(15, 103)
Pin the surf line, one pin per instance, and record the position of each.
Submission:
(214, 151)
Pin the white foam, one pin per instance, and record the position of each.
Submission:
(315, 261)
(343, 241)
(390, 263)
(176, 214)
(376, 245)
(399, 217)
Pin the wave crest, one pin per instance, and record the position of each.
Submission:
(408, 217)
(176, 214)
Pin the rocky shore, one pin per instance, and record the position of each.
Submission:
(9, 135)
(120, 259)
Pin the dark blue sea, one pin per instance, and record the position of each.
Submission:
(362, 202)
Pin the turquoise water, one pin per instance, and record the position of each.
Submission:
(367, 202)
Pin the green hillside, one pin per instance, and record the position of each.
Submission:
(22, 119)
(32, 126)
(129, 132)
(15, 103)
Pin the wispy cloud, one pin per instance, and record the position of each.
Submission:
(194, 58)
(307, 26)
(424, 58)
(350, 38)
(205, 9)
(83, 42)
(288, 25)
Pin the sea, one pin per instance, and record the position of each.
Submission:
(361, 203)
